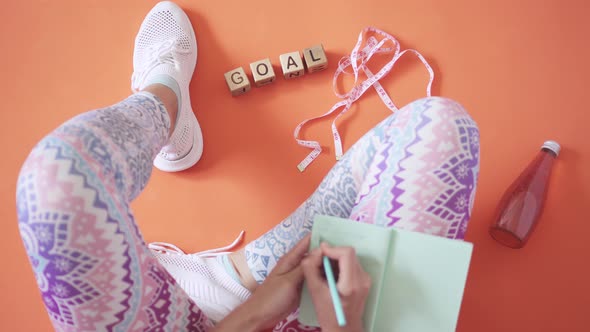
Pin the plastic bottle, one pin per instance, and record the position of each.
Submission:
(519, 209)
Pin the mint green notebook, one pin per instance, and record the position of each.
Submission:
(418, 279)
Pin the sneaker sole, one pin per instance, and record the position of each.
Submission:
(188, 161)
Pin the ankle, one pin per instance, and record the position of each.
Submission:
(238, 259)
(168, 98)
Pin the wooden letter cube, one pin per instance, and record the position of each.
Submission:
(237, 81)
(292, 65)
(262, 72)
(315, 58)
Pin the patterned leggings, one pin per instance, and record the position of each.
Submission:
(416, 170)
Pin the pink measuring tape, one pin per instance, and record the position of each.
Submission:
(358, 61)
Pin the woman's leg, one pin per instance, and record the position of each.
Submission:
(424, 176)
(92, 266)
(416, 170)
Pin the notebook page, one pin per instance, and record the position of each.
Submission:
(423, 283)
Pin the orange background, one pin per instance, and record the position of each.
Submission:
(519, 67)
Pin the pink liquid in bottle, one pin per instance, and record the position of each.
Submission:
(520, 208)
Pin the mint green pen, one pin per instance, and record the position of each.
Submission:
(334, 292)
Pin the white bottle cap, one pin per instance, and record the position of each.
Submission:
(553, 146)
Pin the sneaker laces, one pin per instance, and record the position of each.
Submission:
(162, 53)
(167, 248)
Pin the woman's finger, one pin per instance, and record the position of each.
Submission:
(311, 266)
(348, 265)
(292, 259)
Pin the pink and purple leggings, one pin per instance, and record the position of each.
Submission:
(416, 170)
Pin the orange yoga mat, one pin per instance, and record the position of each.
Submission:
(519, 67)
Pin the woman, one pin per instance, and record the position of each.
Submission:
(415, 170)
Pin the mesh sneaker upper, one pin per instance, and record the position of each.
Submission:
(205, 281)
(161, 26)
(166, 22)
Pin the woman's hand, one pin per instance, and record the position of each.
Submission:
(353, 286)
(274, 299)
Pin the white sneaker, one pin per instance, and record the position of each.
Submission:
(166, 45)
(203, 278)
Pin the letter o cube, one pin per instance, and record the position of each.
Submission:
(262, 72)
